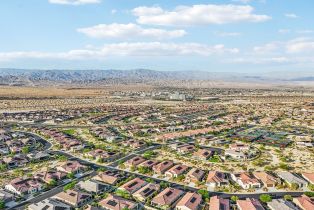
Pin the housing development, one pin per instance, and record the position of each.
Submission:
(156, 105)
(157, 148)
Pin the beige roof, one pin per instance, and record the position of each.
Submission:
(249, 204)
(265, 177)
(309, 177)
(196, 173)
(113, 202)
(178, 169)
(215, 177)
(190, 200)
(304, 202)
(133, 185)
(72, 197)
(167, 196)
(108, 177)
(217, 203)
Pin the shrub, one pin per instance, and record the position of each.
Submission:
(265, 198)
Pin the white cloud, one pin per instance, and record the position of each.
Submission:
(300, 45)
(305, 31)
(274, 60)
(291, 15)
(143, 49)
(198, 15)
(74, 2)
(296, 51)
(284, 31)
(242, 1)
(226, 34)
(114, 11)
(267, 48)
(262, 60)
(128, 31)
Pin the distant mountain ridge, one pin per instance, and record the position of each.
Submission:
(37, 77)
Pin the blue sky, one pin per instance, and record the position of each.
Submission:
(226, 35)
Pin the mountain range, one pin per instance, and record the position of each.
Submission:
(26, 77)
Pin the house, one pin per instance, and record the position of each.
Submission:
(291, 178)
(103, 156)
(267, 179)
(309, 177)
(6, 196)
(93, 186)
(74, 198)
(203, 154)
(38, 156)
(190, 201)
(177, 145)
(186, 149)
(162, 167)
(135, 161)
(113, 202)
(249, 204)
(50, 175)
(133, 185)
(109, 177)
(217, 203)
(49, 204)
(304, 202)
(167, 198)
(194, 175)
(146, 192)
(24, 186)
(72, 167)
(216, 179)
(245, 180)
(281, 204)
(90, 207)
(149, 163)
(239, 155)
(15, 161)
(239, 147)
(176, 171)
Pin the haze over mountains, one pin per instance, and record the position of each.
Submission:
(23, 77)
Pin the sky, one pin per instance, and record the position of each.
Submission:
(207, 35)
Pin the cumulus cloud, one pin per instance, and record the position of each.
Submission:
(226, 34)
(269, 47)
(128, 31)
(284, 31)
(297, 45)
(126, 49)
(295, 51)
(291, 15)
(242, 1)
(74, 2)
(198, 15)
(300, 45)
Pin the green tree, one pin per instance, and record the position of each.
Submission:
(53, 183)
(3, 167)
(2, 204)
(123, 194)
(294, 186)
(288, 197)
(25, 150)
(203, 193)
(311, 187)
(265, 198)
(234, 198)
(69, 186)
(309, 194)
(71, 175)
